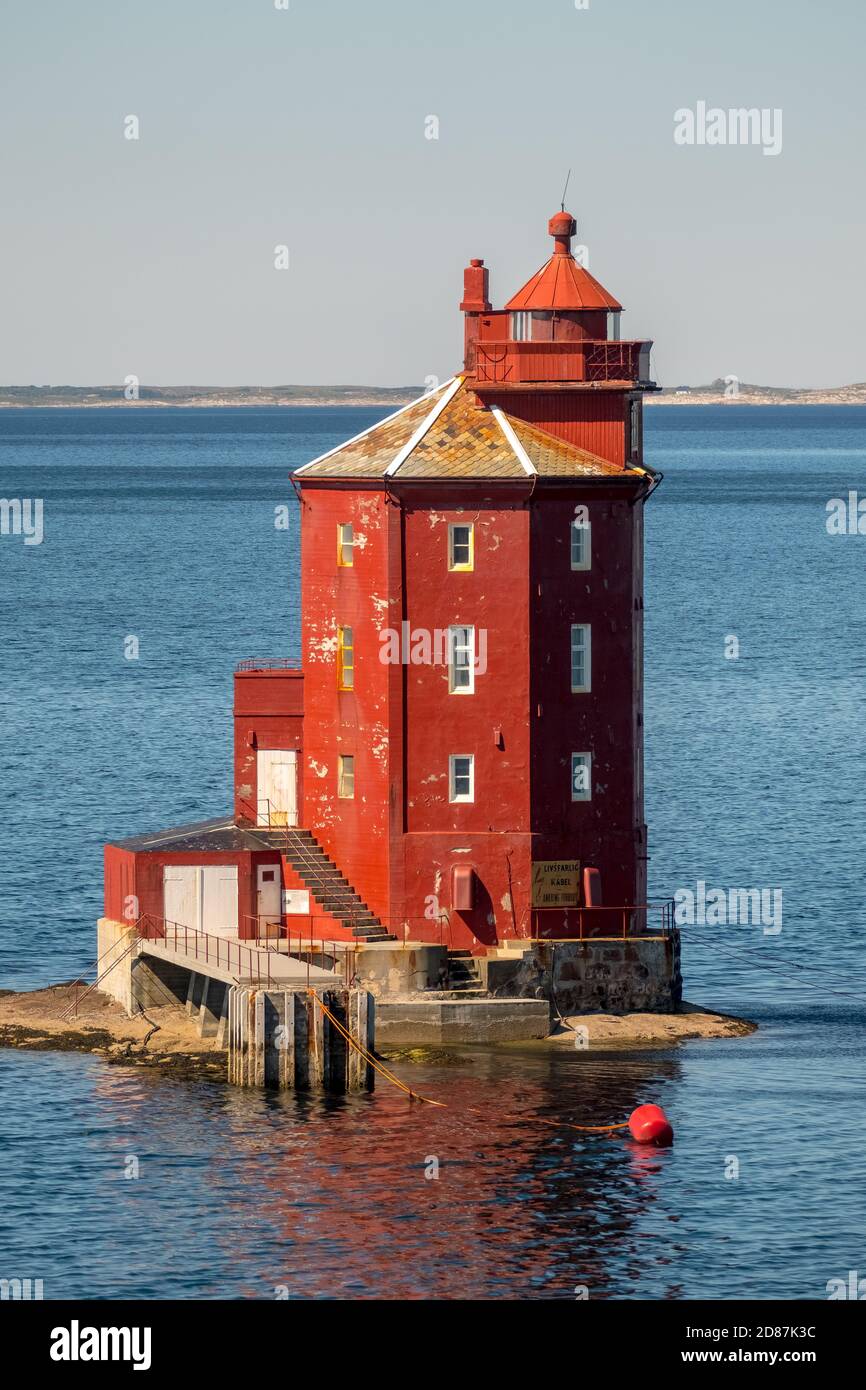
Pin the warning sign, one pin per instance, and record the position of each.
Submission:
(556, 883)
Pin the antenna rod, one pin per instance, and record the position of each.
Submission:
(565, 190)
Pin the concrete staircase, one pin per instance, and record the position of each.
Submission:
(334, 894)
(464, 981)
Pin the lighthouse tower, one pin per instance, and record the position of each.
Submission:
(457, 758)
(472, 589)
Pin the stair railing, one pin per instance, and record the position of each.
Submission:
(72, 1009)
(316, 875)
(219, 951)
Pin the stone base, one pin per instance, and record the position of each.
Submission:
(640, 974)
(419, 1022)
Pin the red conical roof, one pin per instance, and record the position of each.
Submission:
(561, 283)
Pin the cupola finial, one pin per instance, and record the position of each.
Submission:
(562, 227)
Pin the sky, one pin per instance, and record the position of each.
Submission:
(307, 127)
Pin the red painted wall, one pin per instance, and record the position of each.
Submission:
(593, 420)
(317, 922)
(140, 875)
(364, 723)
(399, 840)
(268, 713)
(491, 723)
(119, 884)
(600, 832)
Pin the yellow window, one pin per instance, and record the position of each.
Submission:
(345, 544)
(345, 658)
(461, 546)
(346, 777)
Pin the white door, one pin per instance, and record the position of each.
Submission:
(204, 898)
(219, 900)
(277, 786)
(269, 890)
(180, 894)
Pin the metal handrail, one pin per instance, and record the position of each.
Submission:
(94, 964)
(318, 876)
(100, 975)
(625, 912)
(271, 663)
(213, 950)
(587, 359)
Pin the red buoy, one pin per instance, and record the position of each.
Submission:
(650, 1125)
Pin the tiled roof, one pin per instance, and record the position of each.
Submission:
(370, 453)
(450, 434)
(555, 458)
(465, 442)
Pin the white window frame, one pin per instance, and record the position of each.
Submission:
(453, 794)
(583, 560)
(459, 565)
(521, 327)
(345, 547)
(581, 640)
(345, 776)
(581, 760)
(455, 645)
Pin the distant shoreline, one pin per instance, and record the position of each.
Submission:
(390, 398)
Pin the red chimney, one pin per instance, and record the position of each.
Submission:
(473, 303)
(475, 278)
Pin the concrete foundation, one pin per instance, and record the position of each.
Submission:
(275, 1040)
(419, 1022)
(390, 967)
(280, 1038)
(640, 974)
(117, 946)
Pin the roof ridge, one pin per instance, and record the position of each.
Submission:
(386, 419)
(531, 282)
(447, 396)
(510, 433)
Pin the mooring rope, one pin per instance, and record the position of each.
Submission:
(566, 1124)
(370, 1059)
(415, 1095)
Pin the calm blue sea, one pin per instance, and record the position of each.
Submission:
(159, 524)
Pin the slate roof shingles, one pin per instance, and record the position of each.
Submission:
(464, 441)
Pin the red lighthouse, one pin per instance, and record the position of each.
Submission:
(458, 757)
(472, 619)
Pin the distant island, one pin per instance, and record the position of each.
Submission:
(54, 396)
(719, 392)
(731, 391)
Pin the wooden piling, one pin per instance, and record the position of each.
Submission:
(281, 1038)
